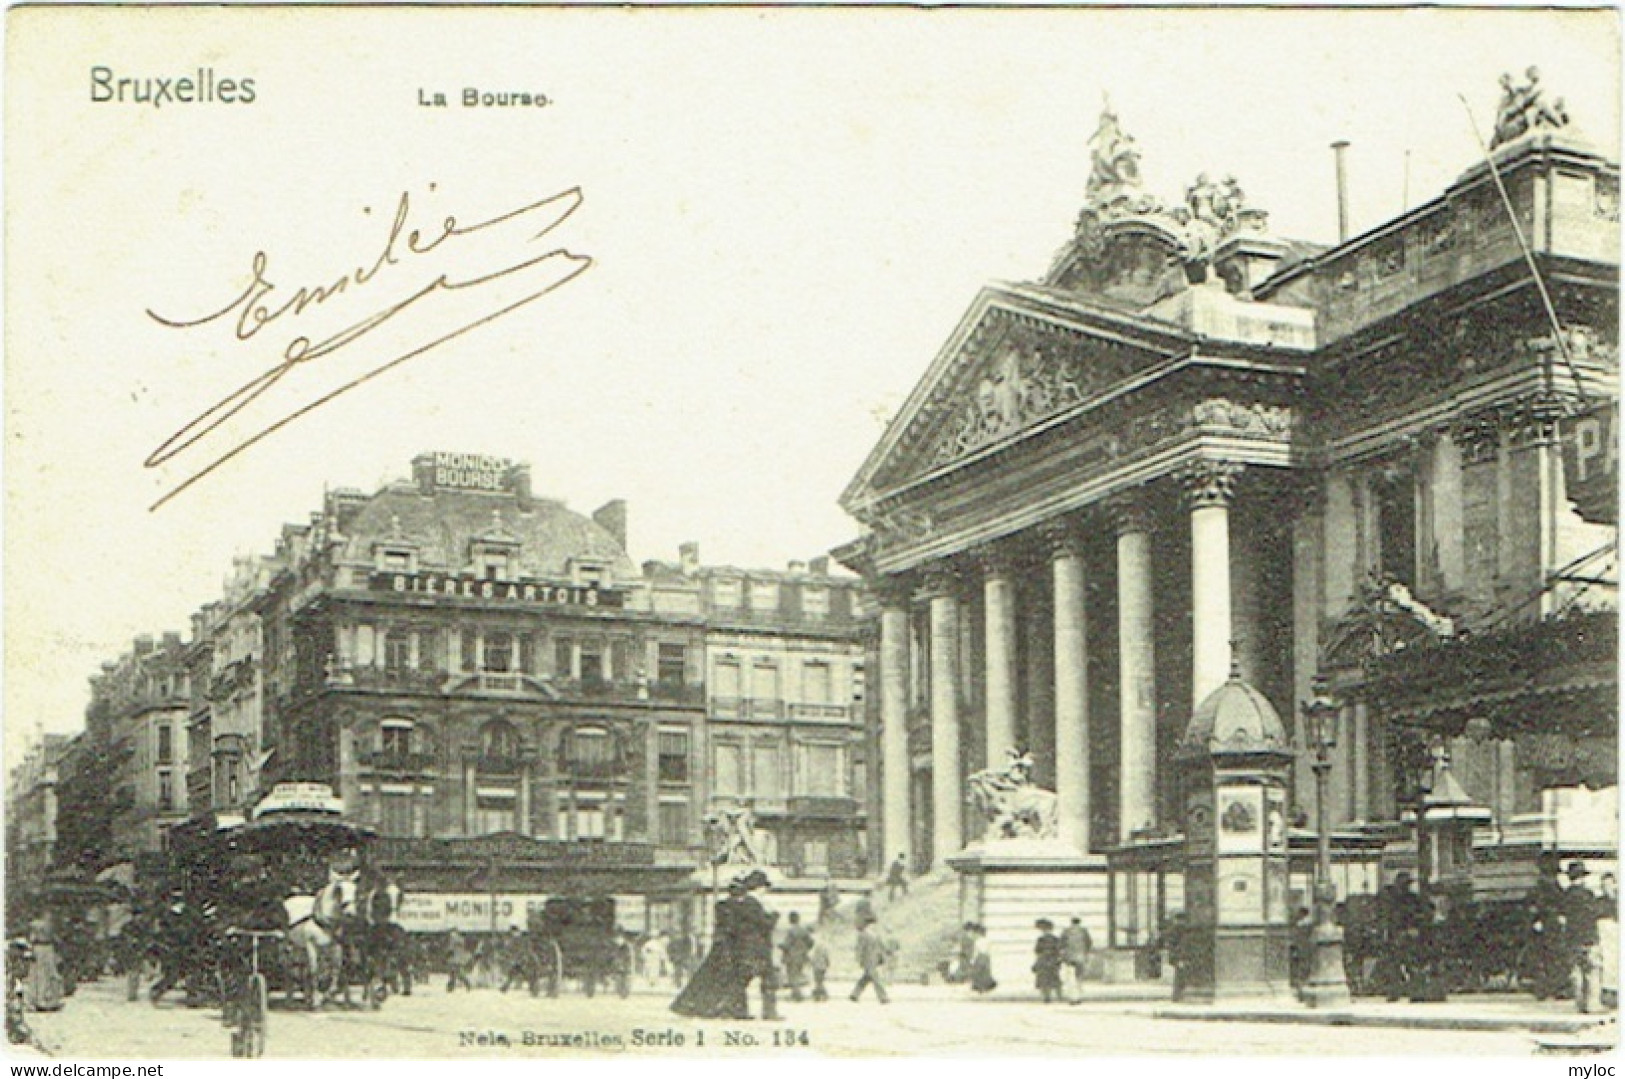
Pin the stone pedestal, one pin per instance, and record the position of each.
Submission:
(1008, 884)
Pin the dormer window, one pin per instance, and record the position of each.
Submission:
(396, 560)
(494, 566)
(588, 573)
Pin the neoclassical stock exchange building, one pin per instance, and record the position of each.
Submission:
(1193, 444)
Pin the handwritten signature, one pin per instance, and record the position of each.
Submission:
(265, 306)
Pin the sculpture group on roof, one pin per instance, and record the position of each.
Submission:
(1212, 209)
(1523, 109)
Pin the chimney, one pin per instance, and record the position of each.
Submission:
(172, 640)
(798, 568)
(143, 644)
(611, 517)
(688, 555)
(1339, 149)
(819, 566)
(423, 473)
(519, 481)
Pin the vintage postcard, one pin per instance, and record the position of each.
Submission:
(689, 533)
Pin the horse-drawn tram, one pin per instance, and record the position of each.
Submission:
(283, 902)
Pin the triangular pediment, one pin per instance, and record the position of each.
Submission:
(1022, 357)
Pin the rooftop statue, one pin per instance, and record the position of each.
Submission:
(1114, 178)
(1013, 805)
(1523, 109)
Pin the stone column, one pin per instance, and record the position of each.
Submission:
(1071, 684)
(1209, 486)
(999, 603)
(1137, 667)
(947, 797)
(1361, 759)
(896, 828)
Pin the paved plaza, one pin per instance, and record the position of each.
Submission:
(98, 1022)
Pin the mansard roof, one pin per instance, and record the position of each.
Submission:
(443, 523)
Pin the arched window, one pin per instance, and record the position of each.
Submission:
(499, 740)
(397, 737)
(589, 753)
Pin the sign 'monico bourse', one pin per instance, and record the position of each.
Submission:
(519, 592)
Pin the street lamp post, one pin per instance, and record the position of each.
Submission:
(1328, 985)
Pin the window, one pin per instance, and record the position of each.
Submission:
(766, 770)
(499, 740)
(499, 653)
(564, 658)
(814, 600)
(814, 856)
(233, 782)
(725, 591)
(592, 661)
(589, 818)
(397, 650)
(527, 654)
(471, 644)
(166, 744)
(620, 660)
(730, 769)
(673, 668)
(166, 791)
(674, 824)
(398, 561)
(1396, 525)
(727, 678)
(494, 566)
(495, 809)
(764, 682)
(395, 739)
(590, 753)
(673, 756)
(764, 595)
(815, 683)
(824, 773)
(858, 683)
(396, 818)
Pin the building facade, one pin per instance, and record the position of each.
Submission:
(1193, 444)
(138, 716)
(785, 711)
(31, 822)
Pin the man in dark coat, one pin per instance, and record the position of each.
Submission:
(1580, 911)
(1047, 957)
(1549, 949)
(897, 878)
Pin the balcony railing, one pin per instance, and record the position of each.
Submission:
(823, 807)
(393, 763)
(819, 711)
(509, 850)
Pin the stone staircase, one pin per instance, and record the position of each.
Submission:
(924, 923)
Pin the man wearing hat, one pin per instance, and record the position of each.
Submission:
(1548, 944)
(1047, 961)
(1585, 945)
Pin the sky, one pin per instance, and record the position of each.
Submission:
(785, 212)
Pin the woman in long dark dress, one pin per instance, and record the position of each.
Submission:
(717, 989)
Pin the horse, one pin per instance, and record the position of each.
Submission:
(1014, 809)
(318, 928)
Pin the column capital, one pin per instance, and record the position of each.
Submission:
(1130, 512)
(1209, 482)
(1060, 537)
(891, 589)
(996, 558)
(1306, 493)
(940, 579)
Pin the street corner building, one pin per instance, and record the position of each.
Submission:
(484, 679)
(1377, 475)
